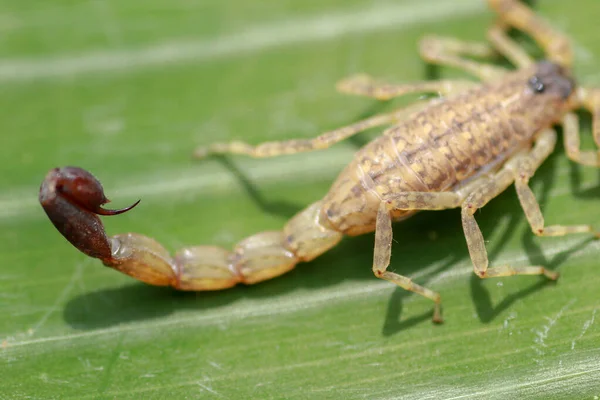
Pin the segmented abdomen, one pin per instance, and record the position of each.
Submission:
(451, 141)
(436, 149)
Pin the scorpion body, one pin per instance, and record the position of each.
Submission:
(456, 151)
(447, 144)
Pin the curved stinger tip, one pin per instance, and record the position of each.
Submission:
(104, 211)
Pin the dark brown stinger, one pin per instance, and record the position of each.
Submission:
(72, 198)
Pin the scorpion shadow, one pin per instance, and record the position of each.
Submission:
(349, 261)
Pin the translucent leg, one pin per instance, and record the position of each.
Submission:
(451, 52)
(364, 85)
(590, 99)
(518, 15)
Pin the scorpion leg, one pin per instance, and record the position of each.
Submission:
(383, 237)
(508, 47)
(472, 197)
(365, 85)
(450, 51)
(273, 149)
(383, 230)
(519, 169)
(381, 261)
(525, 169)
(518, 15)
(590, 99)
(358, 85)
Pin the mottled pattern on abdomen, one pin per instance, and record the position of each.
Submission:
(445, 144)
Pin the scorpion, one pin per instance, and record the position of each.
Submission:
(457, 150)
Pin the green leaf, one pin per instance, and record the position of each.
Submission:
(127, 89)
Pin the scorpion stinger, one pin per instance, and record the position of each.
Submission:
(71, 198)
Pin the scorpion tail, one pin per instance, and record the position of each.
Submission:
(72, 198)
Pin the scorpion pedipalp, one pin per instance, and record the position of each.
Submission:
(72, 197)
